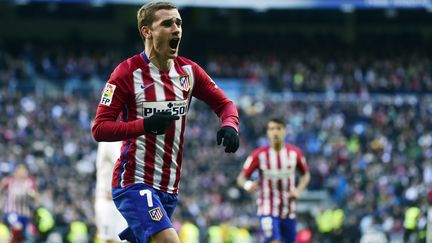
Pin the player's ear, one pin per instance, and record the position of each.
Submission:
(146, 32)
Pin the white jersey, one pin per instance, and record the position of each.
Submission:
(108, 220)
(107, 155)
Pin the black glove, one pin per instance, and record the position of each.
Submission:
(158, 123)
(230, 139)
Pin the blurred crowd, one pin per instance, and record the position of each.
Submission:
(338, 72)
(372, 154)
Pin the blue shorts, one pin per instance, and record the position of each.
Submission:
(13, 220)
(146, 210)
(275, 228)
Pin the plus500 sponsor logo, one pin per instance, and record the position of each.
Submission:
(277, 174)
(175, 108)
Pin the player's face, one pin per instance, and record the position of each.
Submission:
(276, 132)
(21, 172)
(166, 33)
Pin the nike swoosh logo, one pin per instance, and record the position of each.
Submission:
(146, 86)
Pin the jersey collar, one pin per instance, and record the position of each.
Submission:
(146, 59)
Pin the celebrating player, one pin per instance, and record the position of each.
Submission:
(277, 164)
(151, 92)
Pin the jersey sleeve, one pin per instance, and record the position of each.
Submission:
(5, 183)
(206, 90)
(33, 185)
(114, 98)
(301, 162)
(251, 164)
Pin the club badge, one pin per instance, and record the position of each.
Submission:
(156, 214)
(184, 82)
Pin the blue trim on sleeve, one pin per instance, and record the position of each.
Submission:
(123, 162)
(125, 113)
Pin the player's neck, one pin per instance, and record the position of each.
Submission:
(277, 146)
(163, 64)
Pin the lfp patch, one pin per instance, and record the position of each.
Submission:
(108, 94)
(184, 81)
(156, 214)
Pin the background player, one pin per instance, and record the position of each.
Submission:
(109, 221)
(151, 92)
(277, 164)
(18, 193)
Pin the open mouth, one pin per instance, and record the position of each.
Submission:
(173, 43)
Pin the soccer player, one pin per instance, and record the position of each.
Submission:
(277, 164)
(109, 221)
(151, 92)
(18, 195)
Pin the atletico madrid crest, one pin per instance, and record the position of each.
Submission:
(156, 214)
(184, 81)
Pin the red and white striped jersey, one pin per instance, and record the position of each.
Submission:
(136, 90)
(16, 195)
(276, 178)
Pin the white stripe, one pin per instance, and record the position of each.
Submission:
(260, 199)
(178, 91)
(140, 141)
(266, 190)
(284, 164)
(160, 139)
(292, 163)
(273, 166)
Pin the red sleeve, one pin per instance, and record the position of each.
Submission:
(301, 162)
(251, 164)
(206, 90)
(32, 183)
(5, 183)
(114, 98)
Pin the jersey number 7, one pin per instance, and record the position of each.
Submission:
(147, 193)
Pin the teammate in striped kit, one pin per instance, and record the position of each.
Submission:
(18, 195)
(151, 92)
(277, 165)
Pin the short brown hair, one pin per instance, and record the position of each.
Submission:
(277, 120)
(145, 15)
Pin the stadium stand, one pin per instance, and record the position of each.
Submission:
(360, 112)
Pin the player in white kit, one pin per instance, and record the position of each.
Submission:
(109, 221)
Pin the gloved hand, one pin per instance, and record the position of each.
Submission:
(230, 139)
(158, 123)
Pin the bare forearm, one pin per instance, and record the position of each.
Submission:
(246, 184)
(241, 180)
(304, 181)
